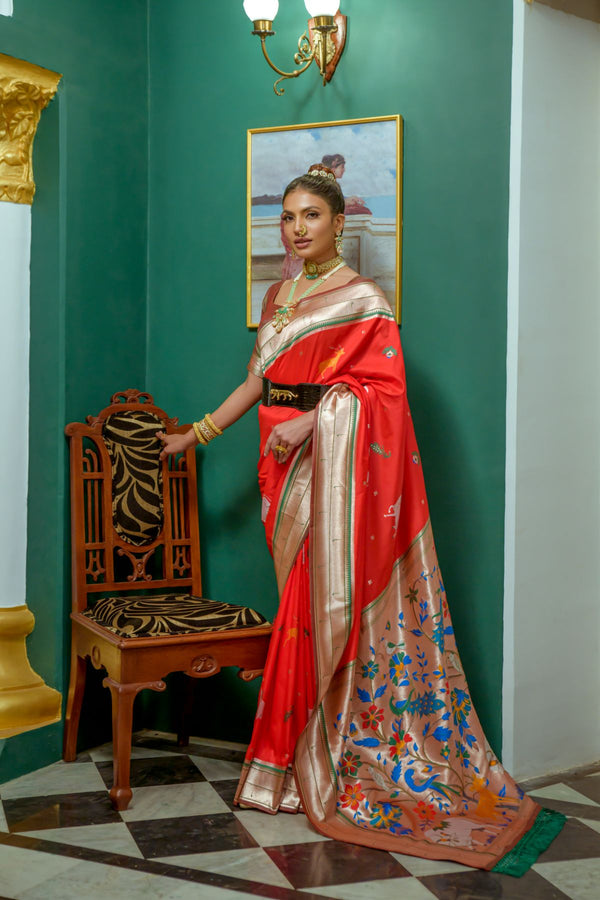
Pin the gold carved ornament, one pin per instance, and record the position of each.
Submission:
(25, 90)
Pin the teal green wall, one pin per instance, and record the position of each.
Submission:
(101, 212)
(445, 67)
(88, 283)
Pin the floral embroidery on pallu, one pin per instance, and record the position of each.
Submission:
(414, 762)
(413, 746)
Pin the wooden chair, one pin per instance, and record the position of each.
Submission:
(138, 610)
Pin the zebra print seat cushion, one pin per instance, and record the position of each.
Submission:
(133, 448)
(170, 614)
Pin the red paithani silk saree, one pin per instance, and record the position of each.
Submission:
(364, 716)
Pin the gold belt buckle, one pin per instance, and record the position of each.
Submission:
(281, 394)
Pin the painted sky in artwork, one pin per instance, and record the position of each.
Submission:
(369, 149)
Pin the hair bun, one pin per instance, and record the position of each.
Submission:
(318, 170)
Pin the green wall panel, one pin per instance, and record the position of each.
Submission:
(88, 284)
(101, 213)
(445, 67)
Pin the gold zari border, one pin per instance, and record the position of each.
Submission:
(348, 303)
(293, 516)
(268, 787)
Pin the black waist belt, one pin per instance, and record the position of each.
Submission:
(304, 396)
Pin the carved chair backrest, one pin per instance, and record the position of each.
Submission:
(134, 519)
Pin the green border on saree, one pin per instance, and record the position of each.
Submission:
(548, 824)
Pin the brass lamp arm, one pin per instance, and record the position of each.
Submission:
(305, 54)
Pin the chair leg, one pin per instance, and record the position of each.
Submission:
(75, 699)
(187, 706)
(123, 696)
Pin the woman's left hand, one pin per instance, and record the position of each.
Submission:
(287, 435)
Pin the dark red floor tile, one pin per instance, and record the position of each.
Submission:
(190, 834)
(323, 863)
(478, 885)
(157, 770)
(59, 811)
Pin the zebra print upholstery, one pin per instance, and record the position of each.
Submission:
(133, 448)
(170, 614)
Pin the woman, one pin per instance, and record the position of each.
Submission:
(355, 206)
(364, 717)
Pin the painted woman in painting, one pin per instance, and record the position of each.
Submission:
(364, 719)
(354, 206)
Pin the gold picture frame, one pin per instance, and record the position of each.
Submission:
(371, 150)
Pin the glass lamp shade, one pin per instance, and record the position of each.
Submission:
(322, 7)
(261, 9)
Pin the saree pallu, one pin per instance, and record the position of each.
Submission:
(364, 716)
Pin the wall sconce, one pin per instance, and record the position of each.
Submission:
(324, 42)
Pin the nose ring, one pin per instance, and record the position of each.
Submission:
(302, 230)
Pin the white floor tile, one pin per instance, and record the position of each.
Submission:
(169, 801)
(114, 837)
(105, 754)
(22, 869)
(420, 867)
(174, 889)
(59, 778)
(275, 831)
(217, 769)
(185, 890)
(386, 889)
(577, 878)
(591, 823)
(562, 792)
(252, 864)
(95, 881)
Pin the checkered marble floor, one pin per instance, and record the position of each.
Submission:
(181, 838)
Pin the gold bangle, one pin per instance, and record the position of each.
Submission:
(201, 439)
(212, 425)
(206, 432)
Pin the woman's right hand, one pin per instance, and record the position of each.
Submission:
(175, 443)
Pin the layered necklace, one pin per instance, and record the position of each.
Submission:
(284, 314)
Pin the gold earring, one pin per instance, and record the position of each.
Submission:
(339, 244)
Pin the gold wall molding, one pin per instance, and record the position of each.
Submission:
(25, 90)
(26, 702)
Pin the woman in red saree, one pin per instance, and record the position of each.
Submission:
(364, 720)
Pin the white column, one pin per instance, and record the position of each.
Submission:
(15, 244)
(552, 579)
(6, 7)
(26, 702)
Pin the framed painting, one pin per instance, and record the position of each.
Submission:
(366, 155)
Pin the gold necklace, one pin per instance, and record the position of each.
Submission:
(283, 315)
(313, 269)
